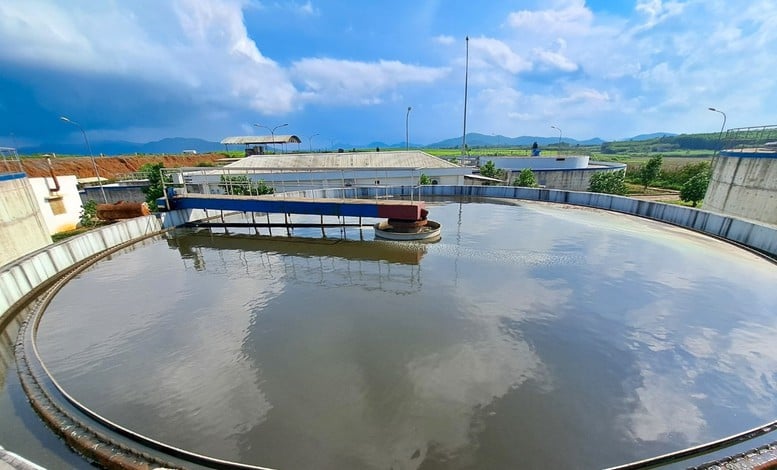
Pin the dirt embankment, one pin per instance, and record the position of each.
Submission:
(110, 167)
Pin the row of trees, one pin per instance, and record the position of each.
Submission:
(692, 179)
(708, 141)
(525, 178)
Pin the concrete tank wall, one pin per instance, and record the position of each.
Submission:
(22, 275)
(760, 237)
(22, 227)
(114, 193)
(744, 187)
(570, 180)
(539, 163)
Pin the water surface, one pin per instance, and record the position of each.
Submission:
(531, 336)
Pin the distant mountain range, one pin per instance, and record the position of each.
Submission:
(483, 140)
(177, 145)
(174, 145)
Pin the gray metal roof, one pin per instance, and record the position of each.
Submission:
(399, 159)
(261, 139)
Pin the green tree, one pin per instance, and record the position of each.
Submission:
(88, 216)
(694, 189)
(649, 171)
(424, 179)
(241, 185)
(489, 170)
(609, 182)
(155, 188)
(526, 179)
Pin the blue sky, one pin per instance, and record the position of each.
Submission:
(143, 70)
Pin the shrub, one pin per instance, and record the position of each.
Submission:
(675, 179)
(609, 182)
(88, 216)
(155, 188)
(526, 179)
(241, 185)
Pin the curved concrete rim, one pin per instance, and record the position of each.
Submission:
(96, 443)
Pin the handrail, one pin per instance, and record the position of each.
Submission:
(750, 139)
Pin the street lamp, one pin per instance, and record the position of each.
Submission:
(720, 135)
(407, 129)
(272, 131)
(310, 141)
(559, 138)
(89, 147)
(466, 80)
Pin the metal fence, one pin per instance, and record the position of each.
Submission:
(751, 139)
(253, 182)
(11, 161)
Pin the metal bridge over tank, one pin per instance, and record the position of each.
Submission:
(245, 191)
(378, 208)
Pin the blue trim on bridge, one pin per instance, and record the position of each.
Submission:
(736, 154)
(12, 176)
(343, 208)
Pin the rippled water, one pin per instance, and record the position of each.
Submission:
(530, 336)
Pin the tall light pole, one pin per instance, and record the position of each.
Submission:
(407, 129)
(466, 79)
(559, 138)
(272, 131)
(310, 141)
(91, 155)
(720, 135)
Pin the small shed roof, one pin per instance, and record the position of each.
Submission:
(261, 139)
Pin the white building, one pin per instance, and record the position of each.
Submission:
(291, 172)
(59, 202)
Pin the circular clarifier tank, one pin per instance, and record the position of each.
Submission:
(531, 336)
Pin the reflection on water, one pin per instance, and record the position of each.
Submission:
(530, 336)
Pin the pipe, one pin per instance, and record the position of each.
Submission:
(53, 176)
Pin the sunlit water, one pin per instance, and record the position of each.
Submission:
(530, 336)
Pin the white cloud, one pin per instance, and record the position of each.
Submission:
(586, 97)
(307, 8)
(199, 48)
(656, 67)
(444, 40)
(555, 60)
(657, 11)
(202, 46)
(346, 82)
(572, 19)
(496, 53)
